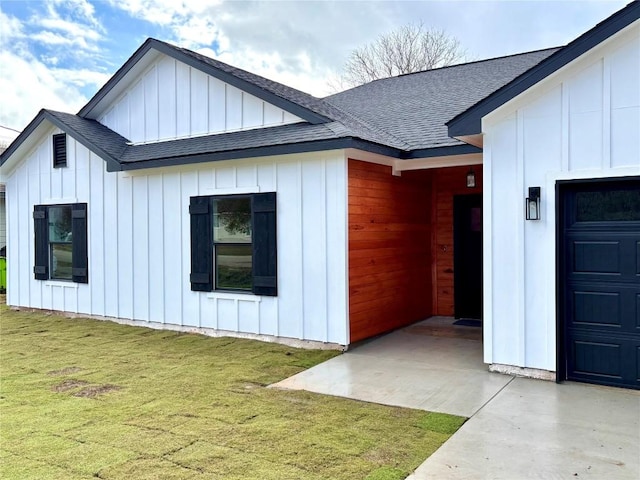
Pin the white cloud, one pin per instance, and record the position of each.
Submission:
(32, 86)
(296, 43)
(53, 39)
(76, 33)
(36, 70)
(66, 23)
(164, 12)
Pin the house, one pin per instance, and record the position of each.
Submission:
(7, 135)
(193, 195)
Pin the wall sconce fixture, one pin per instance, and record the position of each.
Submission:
(533, 204)
(471, 178)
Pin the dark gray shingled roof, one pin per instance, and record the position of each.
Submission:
(415, 107)
(402, 117)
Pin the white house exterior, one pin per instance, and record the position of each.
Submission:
(6, 137)
(578, 126)
(582, 122)
(136, 218)
(192, 195)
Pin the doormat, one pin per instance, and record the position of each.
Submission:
(468, 322)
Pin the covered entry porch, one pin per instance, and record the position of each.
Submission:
(415, 242)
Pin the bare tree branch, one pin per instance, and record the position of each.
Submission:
(411, 48)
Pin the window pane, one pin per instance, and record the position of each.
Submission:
(61, 261)
(60, 224)
(613, 206)
(232, 220)
(233, 267)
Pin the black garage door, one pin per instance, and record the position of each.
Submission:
(600, 282)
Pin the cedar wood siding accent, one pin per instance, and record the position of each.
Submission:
(389, 248)
(447, 182)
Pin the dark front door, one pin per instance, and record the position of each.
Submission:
(600, 282)
(467, 256)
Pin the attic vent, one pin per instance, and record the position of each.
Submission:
(60, 150)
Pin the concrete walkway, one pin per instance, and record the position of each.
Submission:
(518, 428)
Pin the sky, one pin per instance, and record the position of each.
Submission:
(56, 54)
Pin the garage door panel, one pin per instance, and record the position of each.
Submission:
(597, 359)
(603, 306)
(596, 308)
(600, 261)
(607, 360)
(596, 257)
(591, 257)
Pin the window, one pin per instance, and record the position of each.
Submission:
(61, 242)
(233, 243)
(617, 205)
(59, 150)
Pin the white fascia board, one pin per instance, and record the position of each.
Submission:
(438, 162)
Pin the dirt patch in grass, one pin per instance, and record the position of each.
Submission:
(64, 371)
(68, 384)
(96, 390)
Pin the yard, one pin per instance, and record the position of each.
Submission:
(89, 399)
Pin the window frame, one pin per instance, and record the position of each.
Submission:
(43, 246)
(215, 244)
(53, 243)
(264, 247)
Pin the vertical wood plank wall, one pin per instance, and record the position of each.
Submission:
(447, 182)
(389, 248)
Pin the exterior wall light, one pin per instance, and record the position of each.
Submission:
(533, 204)
(471, 178)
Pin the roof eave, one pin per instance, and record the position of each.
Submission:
(300, 147)
(441, 151)
(43, 115)
(265, 151)
(469, 121)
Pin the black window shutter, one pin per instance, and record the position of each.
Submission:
(59, 150)
(80, 257)
(201, 244)
(263, 231)
(41, 234)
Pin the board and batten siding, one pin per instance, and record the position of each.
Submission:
(139, 242)
(581, 122)
(173, 100)
(3, 221)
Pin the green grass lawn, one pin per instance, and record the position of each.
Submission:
(88, 399)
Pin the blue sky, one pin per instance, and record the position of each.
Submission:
(57, 53)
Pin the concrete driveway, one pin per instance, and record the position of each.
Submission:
(518, 428)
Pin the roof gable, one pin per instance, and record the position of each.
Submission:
(289, 99)
(171, 100)
(96, 137)
(469, 121)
